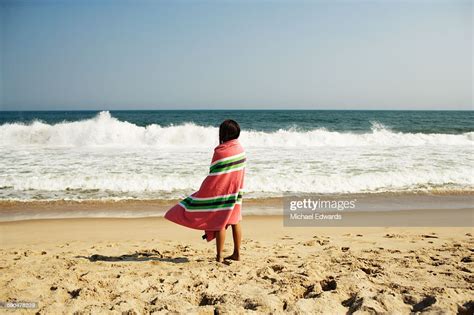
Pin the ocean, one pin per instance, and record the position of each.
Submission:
(164, 155)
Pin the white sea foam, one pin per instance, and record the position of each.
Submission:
(104, 130)
(104, 158)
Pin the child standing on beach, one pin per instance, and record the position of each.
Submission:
(217, 204)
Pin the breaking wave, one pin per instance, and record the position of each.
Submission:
(105, 130)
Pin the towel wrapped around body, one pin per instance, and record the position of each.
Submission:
(218, 201)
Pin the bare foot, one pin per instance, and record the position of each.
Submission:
(219, 258)
(234, 256)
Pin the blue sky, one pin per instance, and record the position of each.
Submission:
(236, 54)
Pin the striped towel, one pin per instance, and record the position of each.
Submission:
(218, 201)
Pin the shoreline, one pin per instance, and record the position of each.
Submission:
(370, 203)
(398, 218)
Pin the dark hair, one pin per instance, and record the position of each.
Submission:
(228, 130)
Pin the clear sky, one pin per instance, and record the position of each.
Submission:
(236, 54)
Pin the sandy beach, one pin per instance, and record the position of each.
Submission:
(150, 265)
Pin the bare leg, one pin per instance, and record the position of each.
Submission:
(237, 236)
(220, 240)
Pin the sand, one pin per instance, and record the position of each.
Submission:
(150, 265)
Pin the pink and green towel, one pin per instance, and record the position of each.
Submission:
(218, 201)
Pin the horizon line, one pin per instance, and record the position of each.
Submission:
(226, 109)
